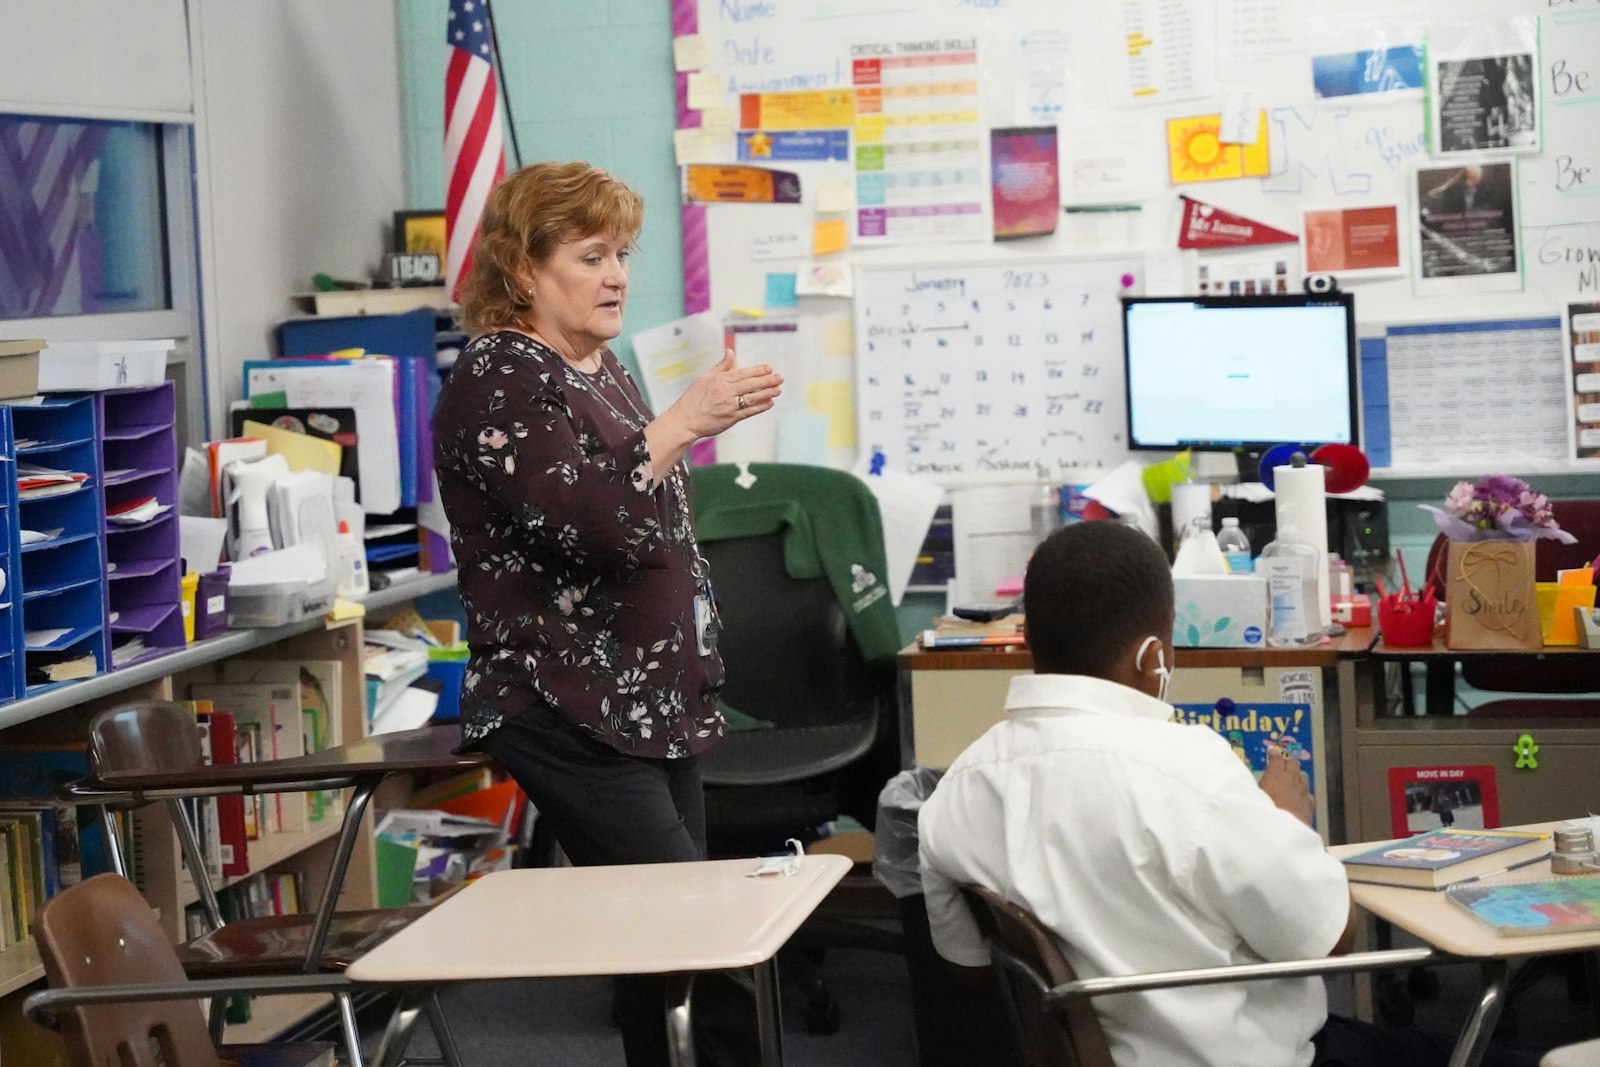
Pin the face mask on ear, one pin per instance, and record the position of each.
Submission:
(1161, 665)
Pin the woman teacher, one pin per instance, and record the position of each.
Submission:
(594, 671)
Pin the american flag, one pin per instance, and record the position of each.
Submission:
(49, 251)
(474, 156)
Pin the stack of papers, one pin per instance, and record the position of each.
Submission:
(65, 670)
(134, 512)
(35, 481)
(391, 661)
(37, 537)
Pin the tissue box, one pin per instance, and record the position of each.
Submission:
(1220, 611)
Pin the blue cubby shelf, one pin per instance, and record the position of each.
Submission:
(11, 665)
(57, 584)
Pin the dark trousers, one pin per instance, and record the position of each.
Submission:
(608, 808)
(1349, 1043)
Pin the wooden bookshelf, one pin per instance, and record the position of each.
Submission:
(63, 711)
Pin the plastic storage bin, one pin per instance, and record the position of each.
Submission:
(277, 603)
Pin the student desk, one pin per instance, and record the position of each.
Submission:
(1445, 926)
(1374, 742)
(362, 764)
(948, 698)
(552, 922)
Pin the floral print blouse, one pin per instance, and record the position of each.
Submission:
(577, 566)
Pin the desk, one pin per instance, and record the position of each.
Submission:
(1434, 919)
(362, 764)
(1374, 742)
(611, 920)
(949, 698)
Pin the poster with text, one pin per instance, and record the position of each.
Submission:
(1442, 798)
(1580, 332)
(1483, 89)
(1251, 728)
(1353, 243)
(1256, 272)
(1026, 174)
(1465, 230)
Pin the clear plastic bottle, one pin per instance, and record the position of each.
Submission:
(1291, 572)
(1235, 547)
(1046, 512)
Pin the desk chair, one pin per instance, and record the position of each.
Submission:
(1052, 1019)
(118, 993)
(151, 751)
(1521, 674)
(816, 676)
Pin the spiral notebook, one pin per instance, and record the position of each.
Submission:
(1540, 906)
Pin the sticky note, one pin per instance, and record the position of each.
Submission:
(690, 52)
(692, 146)
(803, 438)
(705, 90)
(780, 291)
(838, 337)
(829, 235)
(835, 399)
(835, 194)
(748, 313)
(717, 121)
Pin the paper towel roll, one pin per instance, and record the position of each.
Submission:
(1302, 502)
(1191, 509)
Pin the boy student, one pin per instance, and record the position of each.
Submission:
(1145, 844)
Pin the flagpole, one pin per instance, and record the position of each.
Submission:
(505, 95)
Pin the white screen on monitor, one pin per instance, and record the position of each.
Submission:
(1202, 374)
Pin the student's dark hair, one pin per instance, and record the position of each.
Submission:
(1092, 589)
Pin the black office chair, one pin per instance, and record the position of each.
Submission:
(823, 739)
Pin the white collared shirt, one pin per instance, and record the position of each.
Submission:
(1146, 845)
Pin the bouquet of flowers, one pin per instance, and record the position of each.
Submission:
(1498, 508)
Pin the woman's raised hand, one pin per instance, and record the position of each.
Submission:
(726, 394)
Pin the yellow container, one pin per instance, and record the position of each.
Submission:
(190, 583)
(1557, 622)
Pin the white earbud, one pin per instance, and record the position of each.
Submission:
(1161, 665)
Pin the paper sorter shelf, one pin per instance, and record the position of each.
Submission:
(67, 640)
(140, 620)
(53, 446)
(125, 477)
(133, 433)
(31, 595)
(113, 528)
(40, 546)
(59, 491)
(137, 568)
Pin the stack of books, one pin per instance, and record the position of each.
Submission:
(951, 632)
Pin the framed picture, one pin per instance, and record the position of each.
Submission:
(419, 231)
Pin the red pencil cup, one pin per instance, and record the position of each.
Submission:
(1407, 623)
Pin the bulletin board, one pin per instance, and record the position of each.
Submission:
(1345, 127)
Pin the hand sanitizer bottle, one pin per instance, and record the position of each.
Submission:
(1291, 572)
(352, 565)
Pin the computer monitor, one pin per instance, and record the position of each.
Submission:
(1240, 373)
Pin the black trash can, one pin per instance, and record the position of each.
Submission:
(958, 1024)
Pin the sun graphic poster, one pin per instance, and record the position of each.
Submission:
(1197, 153)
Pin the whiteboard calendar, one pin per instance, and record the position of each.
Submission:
(994, 371)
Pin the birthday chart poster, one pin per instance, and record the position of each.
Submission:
(1251, 728)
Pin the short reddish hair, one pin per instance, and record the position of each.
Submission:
(527, 215)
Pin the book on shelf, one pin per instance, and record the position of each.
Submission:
(8, 911)
(233, 851)
(948, 631)
(1441, 858)
(1555, 905)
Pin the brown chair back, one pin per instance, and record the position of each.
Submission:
(152, 735)
(1029, 962)
(102, 932)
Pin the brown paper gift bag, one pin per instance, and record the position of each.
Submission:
(1489, 600)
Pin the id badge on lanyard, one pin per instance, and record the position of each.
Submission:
(705, 623)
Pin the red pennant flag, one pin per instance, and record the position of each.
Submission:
(1206, 226)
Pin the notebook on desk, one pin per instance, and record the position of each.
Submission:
(1561, 904)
